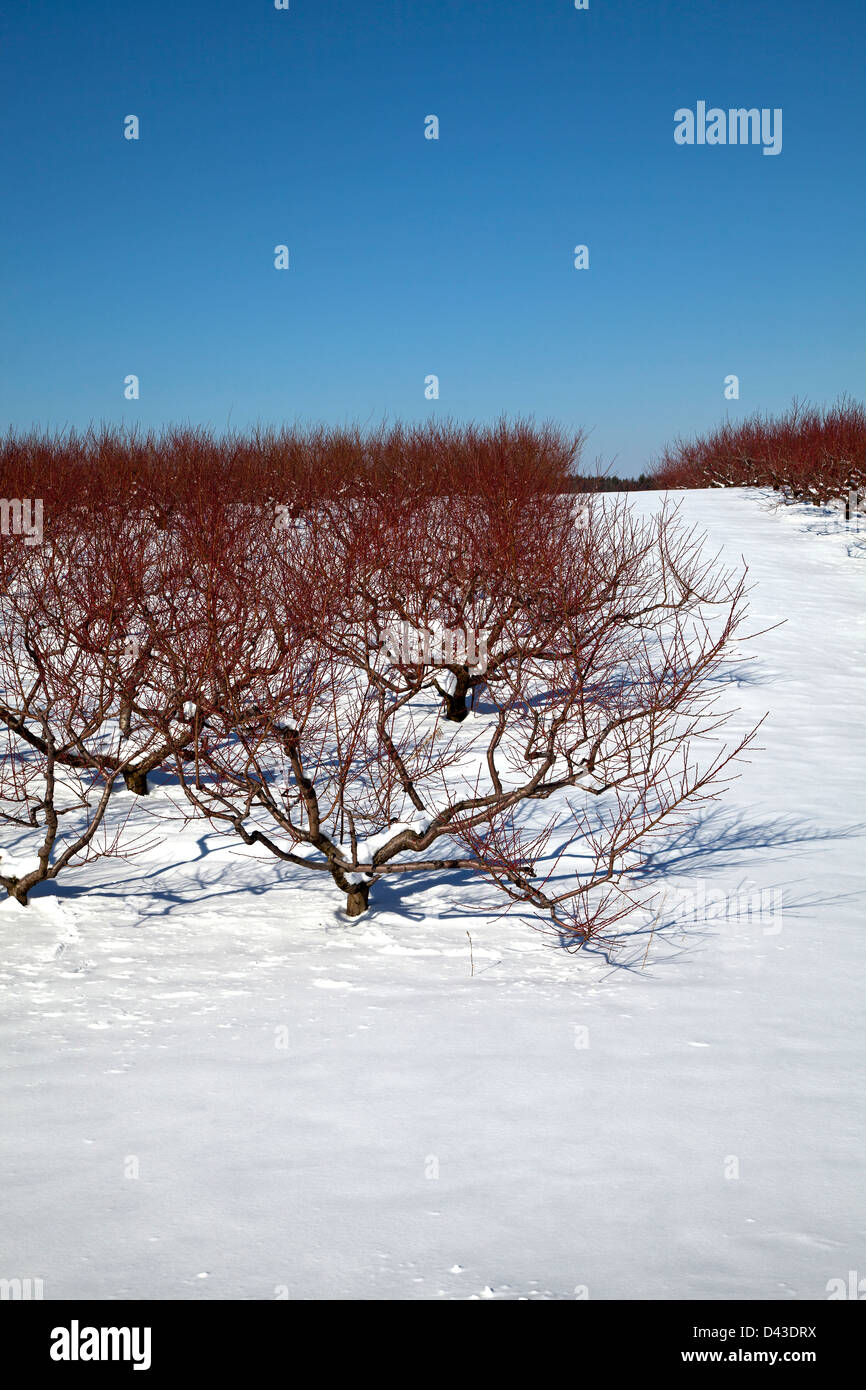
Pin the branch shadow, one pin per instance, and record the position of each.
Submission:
(714, 840)
(718, 840)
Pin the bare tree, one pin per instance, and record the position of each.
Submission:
(601, 681)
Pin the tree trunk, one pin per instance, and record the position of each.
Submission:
(456, 708)
(358, 900)
(135, 781)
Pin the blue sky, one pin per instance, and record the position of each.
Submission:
(411, 257)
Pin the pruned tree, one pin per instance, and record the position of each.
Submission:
(55, 815)
(806, 454)
(56, 771)
(601, 682)
(376, 664)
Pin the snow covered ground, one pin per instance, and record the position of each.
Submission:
(214, 1085)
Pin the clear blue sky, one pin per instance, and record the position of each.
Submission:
(411, 256)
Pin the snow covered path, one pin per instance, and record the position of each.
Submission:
(215, 1086)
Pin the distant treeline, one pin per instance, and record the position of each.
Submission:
(809, 453)
(611, 483)
(182, 468)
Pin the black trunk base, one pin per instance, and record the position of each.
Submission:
(136, 781)
(455, 709)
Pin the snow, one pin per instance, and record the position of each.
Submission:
(215, 1085)
(447, 682)
(16, 866)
